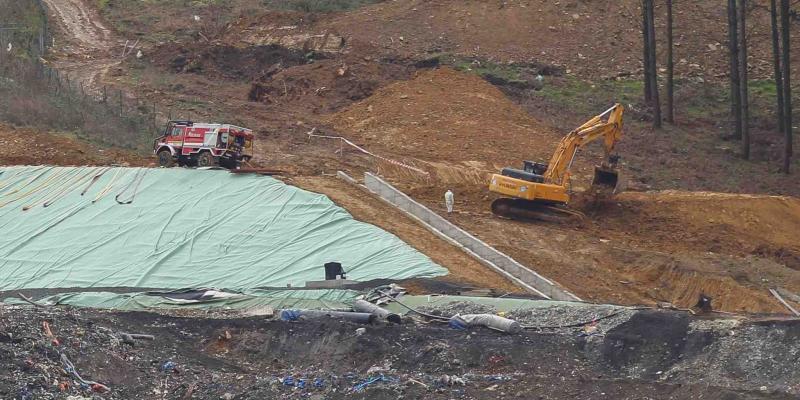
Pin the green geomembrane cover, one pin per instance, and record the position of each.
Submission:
(182, 228)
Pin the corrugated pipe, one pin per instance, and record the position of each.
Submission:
(382, 313)
(358, 317)
(495, 322)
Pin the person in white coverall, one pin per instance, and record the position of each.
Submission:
(448, 201)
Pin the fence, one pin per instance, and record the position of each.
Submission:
(33, 93)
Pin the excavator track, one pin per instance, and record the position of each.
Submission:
(525, 210)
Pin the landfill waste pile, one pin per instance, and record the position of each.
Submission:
(78, 353)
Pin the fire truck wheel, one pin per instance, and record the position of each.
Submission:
(205, 160)
(165, 159)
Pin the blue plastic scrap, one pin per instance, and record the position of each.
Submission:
(168, 366)
(290, 315)
(456, 323)
(369, 381)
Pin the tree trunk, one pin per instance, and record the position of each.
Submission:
(776, 62)
(670, 67)
(653, 71)
(742, 11)
(787, 87)
(733, 49)
(646, 53)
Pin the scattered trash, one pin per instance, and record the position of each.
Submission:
(169, 366)
(385, 294)
(49, 333)
(70, 369)
(295, 315)
(703, 303)
(361, 331)
(370, 381)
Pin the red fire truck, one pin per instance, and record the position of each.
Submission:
(203, 145)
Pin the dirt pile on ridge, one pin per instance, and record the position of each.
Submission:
(445, 115)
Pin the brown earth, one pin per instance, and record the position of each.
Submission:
(444, 115)
(591, 39)
(23, 146)
(643, 248)
(460, 128)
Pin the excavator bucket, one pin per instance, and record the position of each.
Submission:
(607, 180)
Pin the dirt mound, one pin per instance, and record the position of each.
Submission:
(445, 115)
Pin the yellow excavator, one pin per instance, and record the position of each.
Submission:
(540, 191)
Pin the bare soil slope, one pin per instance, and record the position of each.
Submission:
(23, 146)
(445, 115)
(590, 38)
(643, 248)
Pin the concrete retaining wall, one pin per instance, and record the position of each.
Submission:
(482, 251)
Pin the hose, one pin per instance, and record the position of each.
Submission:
(109, 186)
(42, 185)
(68, 190)
(137, 180)
(70, 183)
(95, 179)
(27, 182)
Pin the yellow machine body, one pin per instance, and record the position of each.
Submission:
(526, 190)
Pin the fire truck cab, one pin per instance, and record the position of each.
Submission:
(203, 145)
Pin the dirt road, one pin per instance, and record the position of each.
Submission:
(84, 51)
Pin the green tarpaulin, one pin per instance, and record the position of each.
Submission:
(333, 299)
(178, 228)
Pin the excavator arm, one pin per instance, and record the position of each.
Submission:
(607, 126)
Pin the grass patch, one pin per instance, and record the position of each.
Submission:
(585, 97)
(519, 75)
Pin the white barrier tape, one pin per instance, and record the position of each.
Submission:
(398, 163)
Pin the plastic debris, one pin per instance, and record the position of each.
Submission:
(168, 366)
(370, 381)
